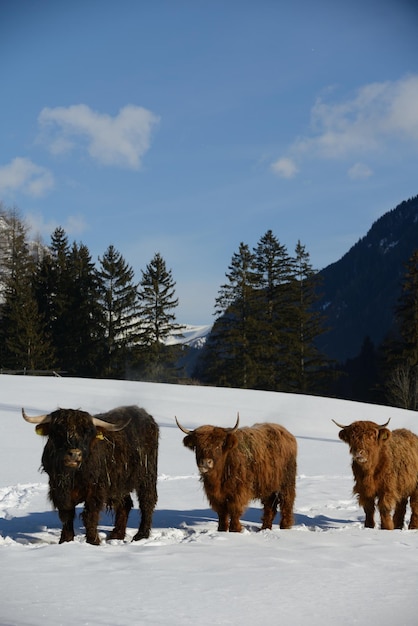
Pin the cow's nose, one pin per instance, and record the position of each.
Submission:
(205, 465)
(73, 457)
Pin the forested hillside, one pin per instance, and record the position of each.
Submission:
(360, 291)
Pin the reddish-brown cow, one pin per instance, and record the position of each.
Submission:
(237, 465)
(385, 468)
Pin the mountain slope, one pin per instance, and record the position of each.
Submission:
(360, 291)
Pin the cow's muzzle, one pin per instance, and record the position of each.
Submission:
(205, 465)
(360, 457)
(73, 458)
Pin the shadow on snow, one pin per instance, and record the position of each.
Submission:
(45, 527)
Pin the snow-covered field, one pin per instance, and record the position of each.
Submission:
(328, 569)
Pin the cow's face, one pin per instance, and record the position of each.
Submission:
(365, 440)
(70, 434)
(211, 445)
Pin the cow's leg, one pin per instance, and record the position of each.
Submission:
(413, 501)
(121, 518)
(67, 518)
(223, 517)
(287, 501)
(270, 510)
(147, 498)
(399, 514)
(368, 506)
(235, 513)
(385, 510)
(90, 517)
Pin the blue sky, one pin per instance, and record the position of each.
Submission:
(186, 127)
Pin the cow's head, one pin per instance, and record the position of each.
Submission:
(71, 433)
(210, 444)
(364, 439)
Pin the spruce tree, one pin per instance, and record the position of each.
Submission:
(86, 321)
(230, 355)
(402, 353)
(119, 299)
(52, 291)
(304, 363)
(157, 305)
(275, 269)
(23, 338)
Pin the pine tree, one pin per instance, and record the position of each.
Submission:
(67, 291)
(402, 353)
(304, 363)
(230, 353)
(275, 269)
(52, 290)
(24, 341)
(157, 303)
(119, 299)
(85, 315)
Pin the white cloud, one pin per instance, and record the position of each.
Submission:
(377, 115)
(74, 225)
(121, 140)
(285, 168)
(359, 171)
(23, 175)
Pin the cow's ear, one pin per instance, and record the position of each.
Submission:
(384, 434)
(230, 442)
(42, 429)
(343, 435)
(189, 442)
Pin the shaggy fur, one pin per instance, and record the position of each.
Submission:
(257, 463)
(385, 468)
(108, 466)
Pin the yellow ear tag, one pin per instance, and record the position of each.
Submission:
(39, 430)
(99, 435)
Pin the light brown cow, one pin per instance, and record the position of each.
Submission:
(237, 465)
(385, 468)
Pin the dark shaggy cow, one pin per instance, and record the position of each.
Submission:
(385, 468)
(100, 460)
(237, 465)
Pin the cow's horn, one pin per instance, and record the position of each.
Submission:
(339, 425)
(108, 425)
(236, 423)
(187, 432)
(39, 419)
(384, 425)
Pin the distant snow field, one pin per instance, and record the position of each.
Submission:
(328, 569)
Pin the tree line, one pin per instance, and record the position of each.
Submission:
(59, 311)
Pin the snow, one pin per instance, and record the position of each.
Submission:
(328, 569)
(193, 336)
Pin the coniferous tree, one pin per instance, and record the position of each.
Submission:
(52, 290)
(304, 363)
(402, 353)
(157, 303)
(67, 291)
(24, 341)
(230, 355)
(119, 298)
(86, 321)
(275, 269)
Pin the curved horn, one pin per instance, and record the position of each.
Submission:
(339, 425)
(236, 424)
(384, 425)
(108, 425)
(186, 432)
(39, 419)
